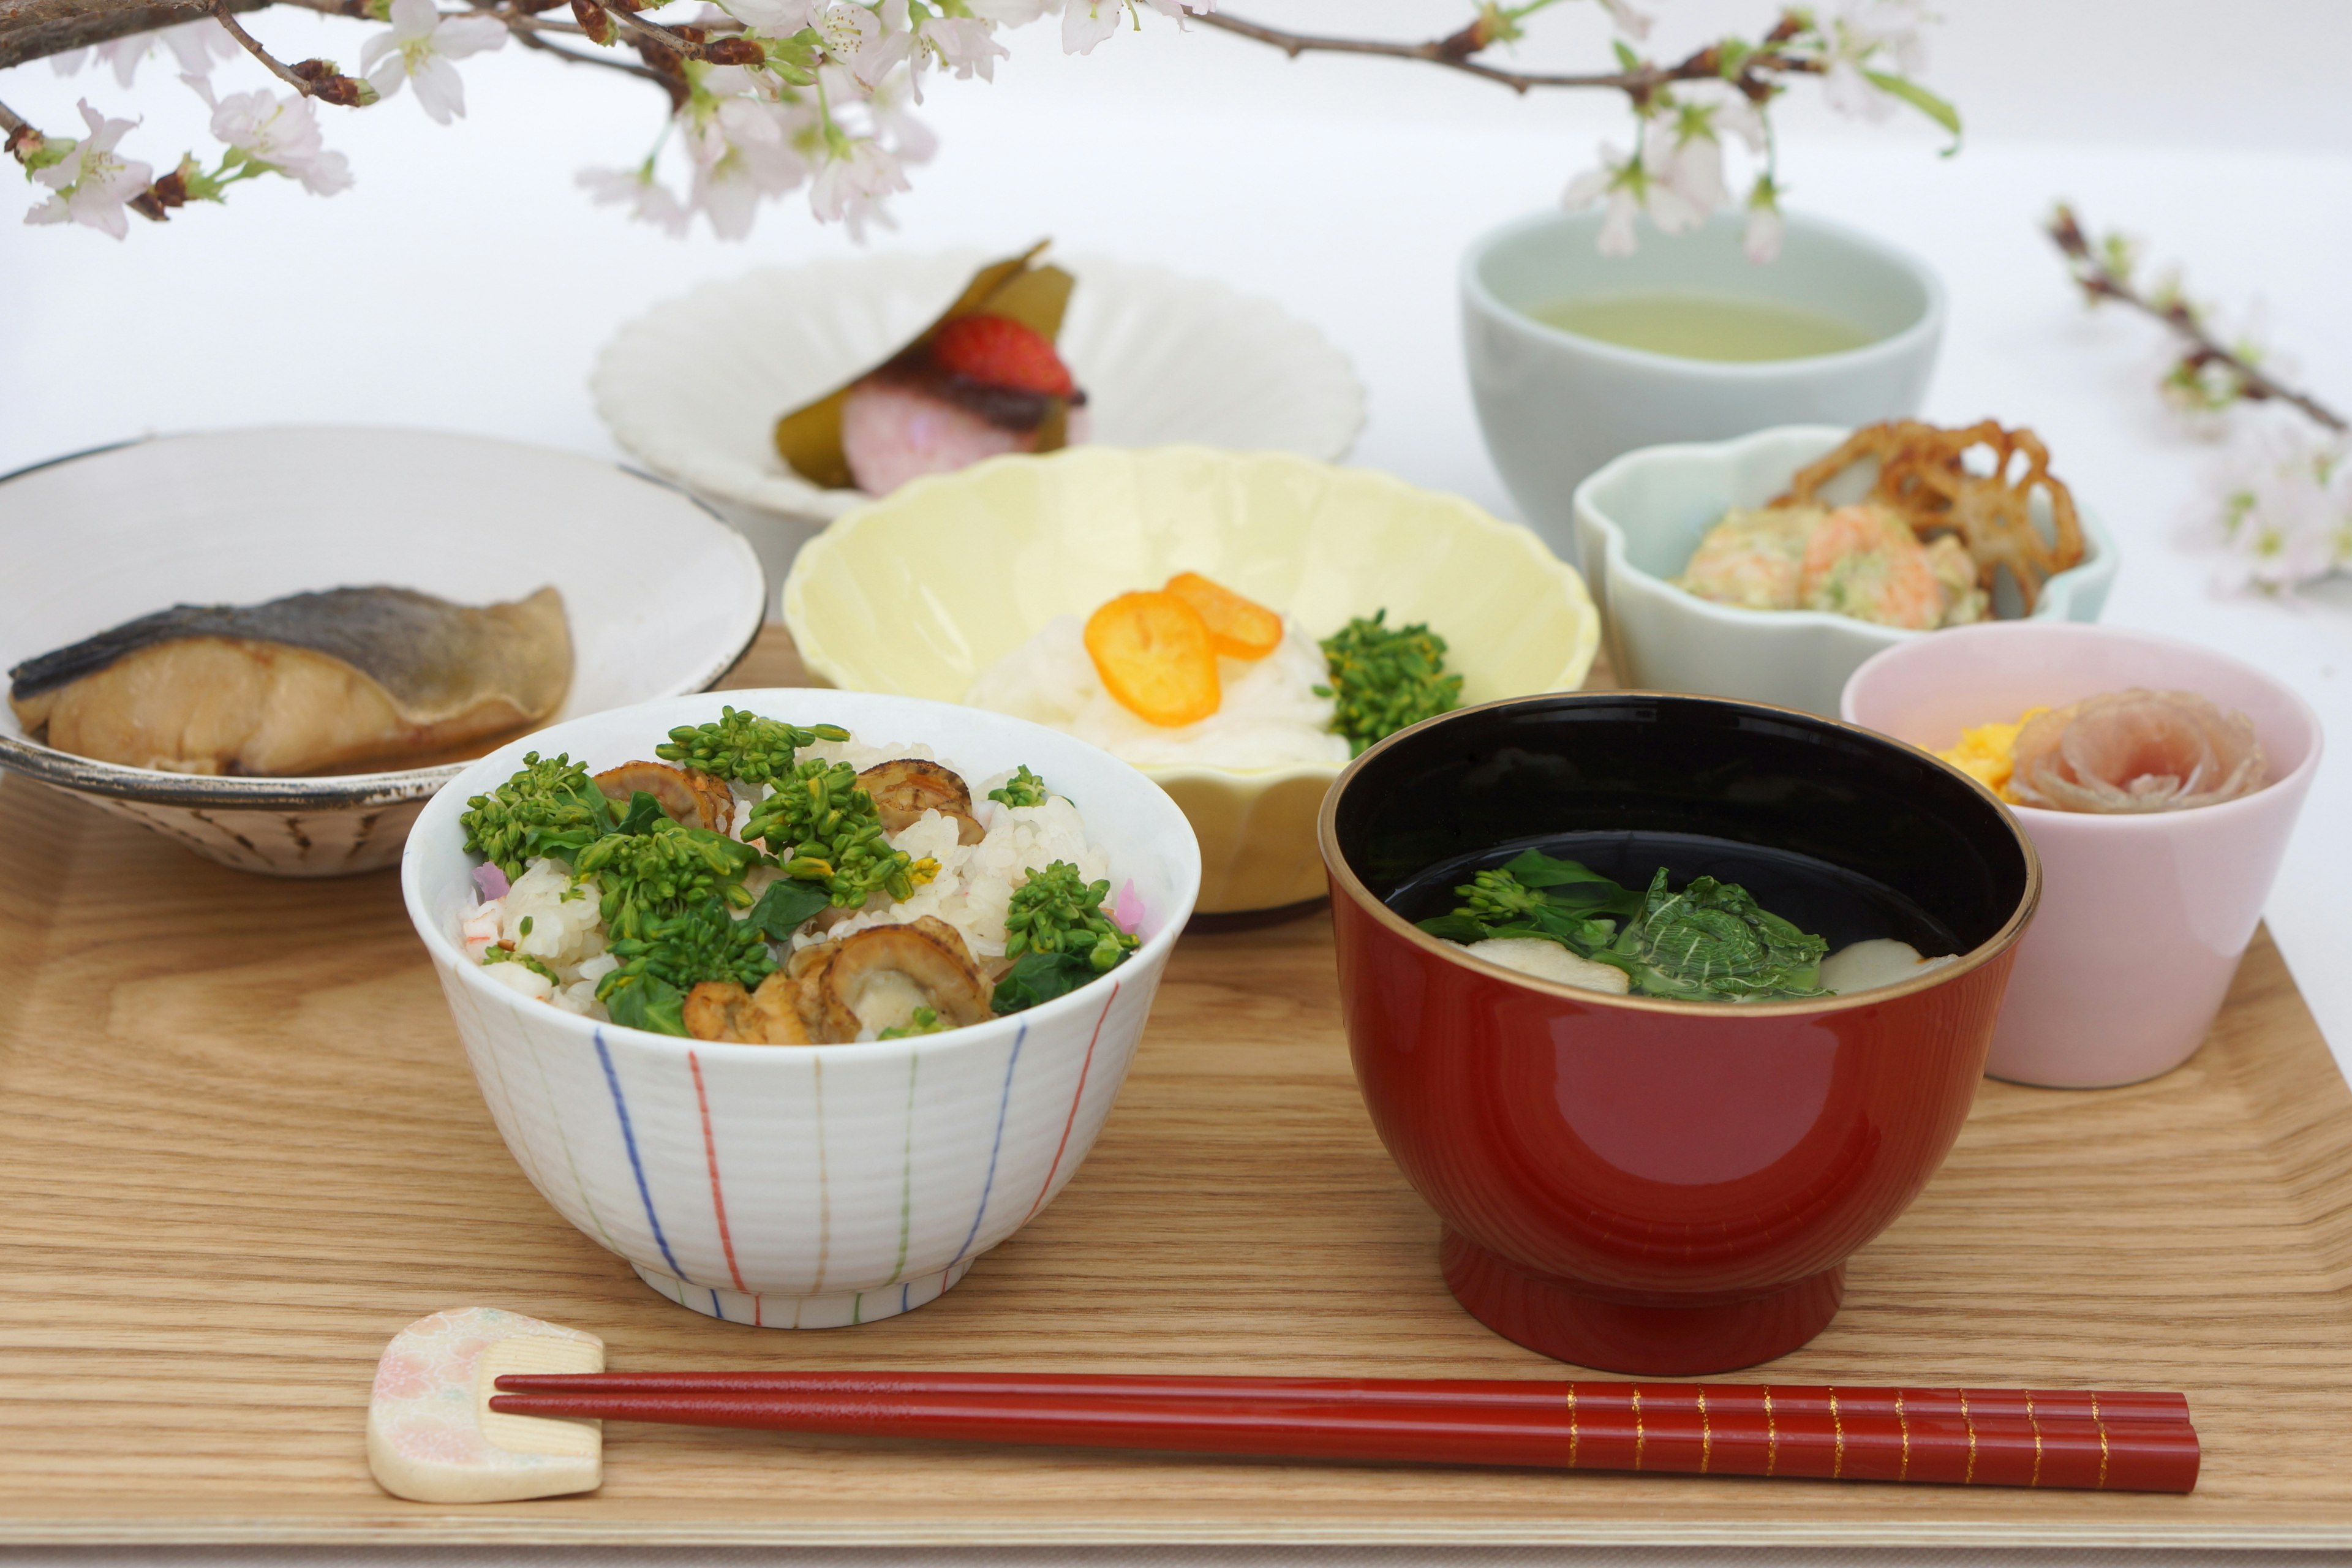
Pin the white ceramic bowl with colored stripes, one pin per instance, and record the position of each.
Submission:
(810, 1186)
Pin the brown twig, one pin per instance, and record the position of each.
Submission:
(277, 67)
(1454, 52)
(529, 39)
(2100, 281)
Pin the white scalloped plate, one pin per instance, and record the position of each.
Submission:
(694, 386)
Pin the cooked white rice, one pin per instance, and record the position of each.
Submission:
(974, 885)
(1269, 718)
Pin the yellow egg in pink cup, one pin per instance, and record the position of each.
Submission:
(2144, 914)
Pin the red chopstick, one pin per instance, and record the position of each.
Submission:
(2112, 1441)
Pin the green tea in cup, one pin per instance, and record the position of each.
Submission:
(1694, 324)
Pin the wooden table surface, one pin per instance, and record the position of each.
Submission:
(239, 1148)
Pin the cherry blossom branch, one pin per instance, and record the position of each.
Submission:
(1454, 52)
(2103, 276)
(277, 67)
(36, 29)
(528, 35)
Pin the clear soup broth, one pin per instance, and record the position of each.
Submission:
(1688, 324)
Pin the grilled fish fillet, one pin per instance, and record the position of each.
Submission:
(305, 684)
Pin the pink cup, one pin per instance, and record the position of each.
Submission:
(2143, 918)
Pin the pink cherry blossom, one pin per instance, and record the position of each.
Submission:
(647, 199)
(94, 181)
(418, 47)
(280, 133)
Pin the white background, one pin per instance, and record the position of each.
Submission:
(465, 284)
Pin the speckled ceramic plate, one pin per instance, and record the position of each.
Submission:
(694, 386)
(662, 597)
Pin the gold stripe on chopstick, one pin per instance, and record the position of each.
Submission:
(1572, 1425)
(1837, 1426)
(2100, 1422)
(1705, 1436)
(2030, 1421)
(1771, 1435)
(1969, 1422)
(1640, 1437)
(1903, 1419)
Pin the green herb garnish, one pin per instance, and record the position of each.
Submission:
(645, 877)
(785, 907)
(647, 1002)
(924, 1021)
(1023, 788)
(509, 955)
(834, 836)
(640, 815)
(548, 808)
(675, 953)
(1383, 679)
(1037, 977)
(743, 746)
(1058, 911)
(1711, 941)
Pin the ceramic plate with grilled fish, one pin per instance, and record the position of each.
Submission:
(274, 645)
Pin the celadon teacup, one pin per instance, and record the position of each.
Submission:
(1555, 405)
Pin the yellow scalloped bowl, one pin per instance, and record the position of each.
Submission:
(919, 592)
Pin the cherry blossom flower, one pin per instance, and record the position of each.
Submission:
(1766, 227)
(193, 45)
(871, 44)
(961, 44)
(854, 182)
(418, 47)
(647, 199)
(93, 182)
(907, 138)
(1632, 23)
(1633, 185)
(743, 151)
(2286, 515)
(1009, 13)
(1869, 36)
(1086, 22)
(776, 18)
(278, 133)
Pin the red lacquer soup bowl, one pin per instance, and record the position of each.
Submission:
(1661, 1186)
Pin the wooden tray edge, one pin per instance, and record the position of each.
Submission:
(444, 1532)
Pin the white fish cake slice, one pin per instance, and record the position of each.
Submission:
(431, 1434)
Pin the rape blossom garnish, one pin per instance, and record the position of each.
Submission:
(418, 46)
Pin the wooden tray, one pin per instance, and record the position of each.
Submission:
(239, 1148)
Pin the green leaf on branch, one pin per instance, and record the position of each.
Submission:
(1731, 57)
(1626, 57)
(1920, 99)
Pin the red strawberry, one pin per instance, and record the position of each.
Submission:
(997, 351)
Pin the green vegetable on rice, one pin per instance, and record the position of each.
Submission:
(548, 808)
(1385, 679)
(1023, 788)
(644, 877)
(676, 953)
(509, 955)
(834, 837)
(744, 747)
(922, 1021)
(1058, 911)
(1710, 941)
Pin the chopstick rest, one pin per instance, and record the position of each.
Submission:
(431, 1434)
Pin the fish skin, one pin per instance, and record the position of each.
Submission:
(422, 674)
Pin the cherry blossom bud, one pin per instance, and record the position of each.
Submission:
(592, 21)
(27, 145)
(734, 52)
(660, 59)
